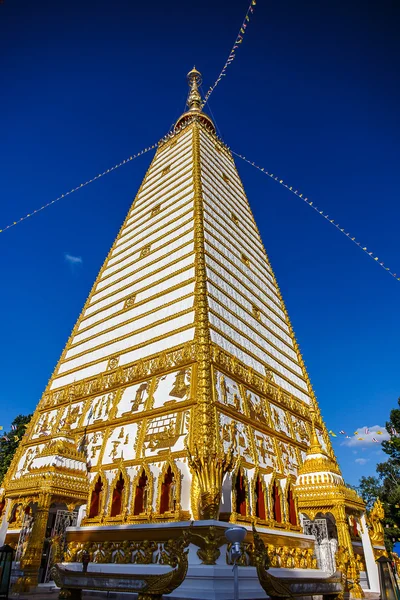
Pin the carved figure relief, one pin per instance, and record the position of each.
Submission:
(121, 443)
(300, 430)
(98, 409)
(280, 420)
(256, 407)
(134, 398)
(266, 451)
(90, 444)
(289, 458)
(232, 429)
(171, 388)
(164, 432)
(71, 415)
(227, 391)
(45, 424)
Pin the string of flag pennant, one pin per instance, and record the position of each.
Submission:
(235, 47)
(359, 435)
(323, 214)
(78, 187)
(13, 438)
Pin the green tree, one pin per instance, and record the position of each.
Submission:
(10, 440)
(387, 485)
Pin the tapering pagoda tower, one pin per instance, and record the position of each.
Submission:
(182, 384)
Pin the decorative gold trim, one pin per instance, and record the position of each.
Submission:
(166, 290)
(132, 320)
(127, 335)
(150, 285)
(206, 417)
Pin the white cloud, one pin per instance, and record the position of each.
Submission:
(73, 260)
(361, 461)
(366, 436)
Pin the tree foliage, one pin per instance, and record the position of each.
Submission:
(10, 440)
(386, 485)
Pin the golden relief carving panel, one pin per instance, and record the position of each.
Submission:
(121, 443)
(267, 453)
(280, 420)
(165, 433)
(227, 391)
(300, 430)
(91, 444)
(121, 376)
(289, 458)
(45, 424)
(237, 434)
(256, 408)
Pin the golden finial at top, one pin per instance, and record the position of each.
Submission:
(194, 104)
(194, 98)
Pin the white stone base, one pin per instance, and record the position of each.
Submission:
(206, 582)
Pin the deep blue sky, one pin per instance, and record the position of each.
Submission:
(313, 96)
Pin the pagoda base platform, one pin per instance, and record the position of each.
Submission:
(203, 581)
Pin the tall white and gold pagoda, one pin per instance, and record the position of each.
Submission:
(181, 393)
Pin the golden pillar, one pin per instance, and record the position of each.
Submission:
(351, 569)
(32, 557)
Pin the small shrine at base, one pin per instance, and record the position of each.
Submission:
(181, 402)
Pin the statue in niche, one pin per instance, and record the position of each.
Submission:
(116, 502)
(180, 388)
(240, 489)
(172, 495)
(168, 493)
(94, 506)
(139, 398)
(260, 500)
(141, 495)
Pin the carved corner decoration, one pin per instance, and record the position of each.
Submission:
(149, 587)
(285, 588)
(270, 584)
(209, 544)
(375, 518)
(210, 469)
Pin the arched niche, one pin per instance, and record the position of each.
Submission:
(275, 500)
(259, 496)
(169, 490)
(291, 504)
(142, 492)
(97, 496)
(240, 492)
(119, 490)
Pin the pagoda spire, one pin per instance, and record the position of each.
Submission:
(194, 103)
(194, 97)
